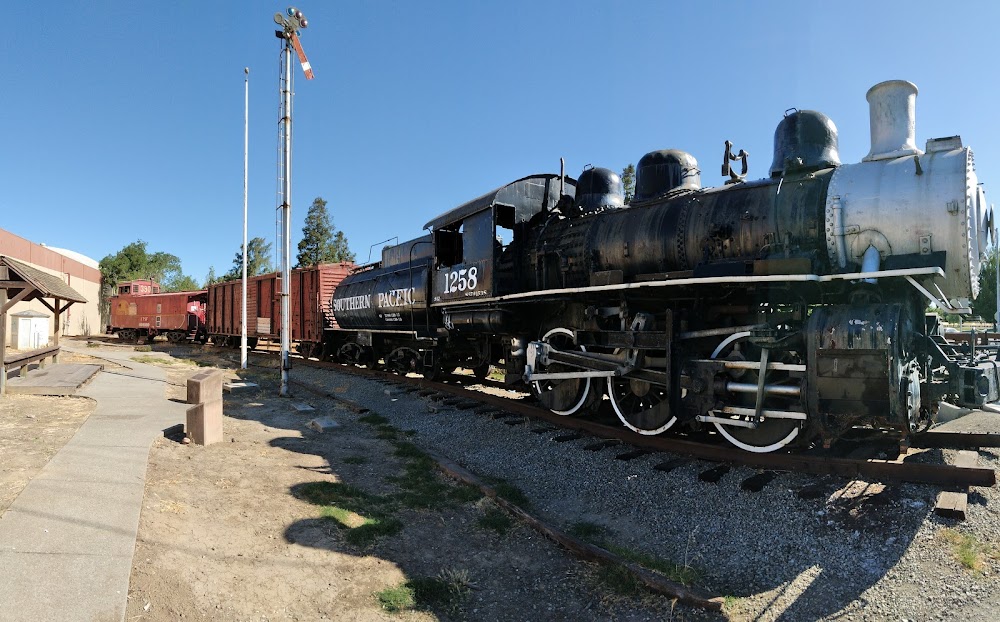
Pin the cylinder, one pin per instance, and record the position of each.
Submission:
(891, 108)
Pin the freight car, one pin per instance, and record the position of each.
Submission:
(140, 310)
(311, 289)
(777, 312)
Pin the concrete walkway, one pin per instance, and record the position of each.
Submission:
(66, 543)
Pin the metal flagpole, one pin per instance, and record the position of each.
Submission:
(246, 151)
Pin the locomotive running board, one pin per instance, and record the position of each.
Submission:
(930, 271)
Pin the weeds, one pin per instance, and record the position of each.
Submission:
(619, 580)
(409, 450)
(373, 419)
(396, 599)
(463, 493)
(373, 529)
(495, 519)
(355, 460)
(387, 433)
(506, 490)
(596, 534)
(969, 552)
(444, 591)
(586, 531)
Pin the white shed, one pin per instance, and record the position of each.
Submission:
(29, 330)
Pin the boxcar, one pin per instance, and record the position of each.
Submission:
(177, 315)
(310, 290)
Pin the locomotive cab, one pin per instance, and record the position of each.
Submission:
(473, 243)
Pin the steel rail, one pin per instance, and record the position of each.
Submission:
(880, 470)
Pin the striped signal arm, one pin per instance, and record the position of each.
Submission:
(306, 67)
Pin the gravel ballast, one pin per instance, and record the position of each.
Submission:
(857, 551)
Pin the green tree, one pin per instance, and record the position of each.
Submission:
(258, 260)
(319, 244)
(985, 305)
(211, 278)
(135, 262)
(181, 283)
(628, 181)
(341, 251)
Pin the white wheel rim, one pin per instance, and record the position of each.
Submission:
(614, 404)
(586, 391)
(721, 427)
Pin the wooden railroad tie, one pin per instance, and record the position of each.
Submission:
(955, 503)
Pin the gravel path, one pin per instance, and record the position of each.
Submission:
(857, 551)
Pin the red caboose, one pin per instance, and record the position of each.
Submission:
(310, 292)
(140, 310)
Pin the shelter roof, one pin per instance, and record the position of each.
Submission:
(44, 284)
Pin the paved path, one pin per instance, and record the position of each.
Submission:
(66, 543)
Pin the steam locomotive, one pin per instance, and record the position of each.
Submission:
(781, 311)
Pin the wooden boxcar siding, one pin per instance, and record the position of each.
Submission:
(141, 311)
(310, 290)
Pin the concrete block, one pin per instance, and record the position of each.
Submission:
(205, 386)
(204, 422)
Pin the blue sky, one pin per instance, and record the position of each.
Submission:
(124, 120)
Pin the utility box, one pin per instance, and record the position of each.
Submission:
(29, 330)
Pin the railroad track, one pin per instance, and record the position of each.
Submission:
(860, 463)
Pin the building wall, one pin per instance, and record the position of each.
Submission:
(77, 271)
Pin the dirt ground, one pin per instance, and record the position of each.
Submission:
(280, 522)
(32, 429)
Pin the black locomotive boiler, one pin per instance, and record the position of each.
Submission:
(781, 311)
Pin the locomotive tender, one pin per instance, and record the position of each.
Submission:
(781, 311)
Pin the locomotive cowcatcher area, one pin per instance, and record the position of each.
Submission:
(283, 522)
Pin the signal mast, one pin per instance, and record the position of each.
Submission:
(290, 22)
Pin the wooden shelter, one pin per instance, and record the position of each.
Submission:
(20, 282)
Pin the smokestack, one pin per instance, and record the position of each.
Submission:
(891, 107)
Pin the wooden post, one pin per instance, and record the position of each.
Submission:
(55, 358)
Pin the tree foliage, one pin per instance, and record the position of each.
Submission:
(183, 283)
(258, 260)
(211, 278)
(985, 305)
(135, 262)
(320, 242)
(628, 181)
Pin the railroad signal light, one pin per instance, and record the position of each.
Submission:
(290, 27)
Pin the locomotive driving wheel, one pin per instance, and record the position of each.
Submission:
(770, 434)
(567, 396)
(642, 406)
